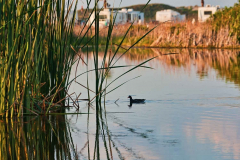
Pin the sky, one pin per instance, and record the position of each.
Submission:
(175, 3)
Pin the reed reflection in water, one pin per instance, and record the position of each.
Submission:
(36, 138)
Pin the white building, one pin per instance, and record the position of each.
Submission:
(205, 12)
(123, 16)
(169, 15)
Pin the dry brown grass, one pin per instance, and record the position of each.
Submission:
(177, 35)
(200, 35)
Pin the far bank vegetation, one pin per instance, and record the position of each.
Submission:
(181, 35)
(221, 31)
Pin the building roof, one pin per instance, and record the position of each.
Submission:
(168, 11)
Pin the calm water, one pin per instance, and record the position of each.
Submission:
(191, 111)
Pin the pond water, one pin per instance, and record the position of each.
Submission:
(191, 112)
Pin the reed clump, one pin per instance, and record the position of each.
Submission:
(36, 38)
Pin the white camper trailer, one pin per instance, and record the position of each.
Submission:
(104, 17)
(135, 16)
(123, 16)
(205, 12)
(169, 15)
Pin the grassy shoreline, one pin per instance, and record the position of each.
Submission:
(222, 31)
(172, 35)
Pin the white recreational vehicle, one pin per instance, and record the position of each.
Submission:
(135, 16)
(169, 15)
(104, 17)
(123, 16)
(205, 12)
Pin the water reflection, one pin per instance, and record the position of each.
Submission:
(225, 62)
(193, 116)
(223, 139)
(183, 118)
(36, 138)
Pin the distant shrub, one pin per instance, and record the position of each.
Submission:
(139, 28)
(230, 17)
(177, 28)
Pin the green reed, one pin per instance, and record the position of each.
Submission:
(102, 69)
(35, 49)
